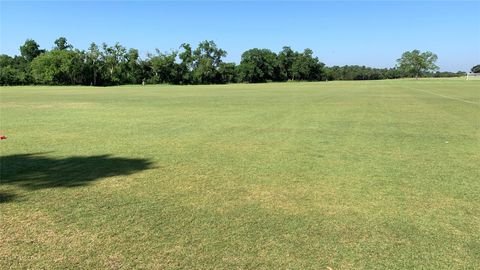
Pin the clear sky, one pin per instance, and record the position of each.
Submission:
(372, 33)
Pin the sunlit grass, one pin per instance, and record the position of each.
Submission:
(380, 174)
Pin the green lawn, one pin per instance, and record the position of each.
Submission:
(346, 175)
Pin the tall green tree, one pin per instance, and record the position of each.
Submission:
(59, 67)
(415, 63)
(475, 69)
(306, 67)
(113, 58)
(62, 44)
(227, 72)
(286, 58)
(30, 49)
(13, 70)
(94, 63)
(115, 65)
(257, 65)
(355, 72)
(207, 60)
(186, 64)
(133, 67)
(164, 67)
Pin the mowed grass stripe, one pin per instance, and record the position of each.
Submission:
(445, 96)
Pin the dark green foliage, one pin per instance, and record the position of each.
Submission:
(133, 67)
(164, 68)
(114, 59)
(13, 70)
(94, 64)
(446, 74)
(228, 72)
(361, 73)
(203, 65)
(62, 44)
(117, 65)
(286, 58)
(59, 67)
(30, 49)
(416, 63)
(258, 65)
(306, 67)
(186, 65)
(207, 60)
(475, 69)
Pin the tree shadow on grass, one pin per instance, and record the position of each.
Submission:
(36, 171)
(6, 197)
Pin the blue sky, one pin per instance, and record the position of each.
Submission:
(372, 33)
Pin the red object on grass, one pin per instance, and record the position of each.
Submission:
(3, 137)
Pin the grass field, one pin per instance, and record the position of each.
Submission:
(346, 175)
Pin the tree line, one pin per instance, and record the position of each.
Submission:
(103, 65)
